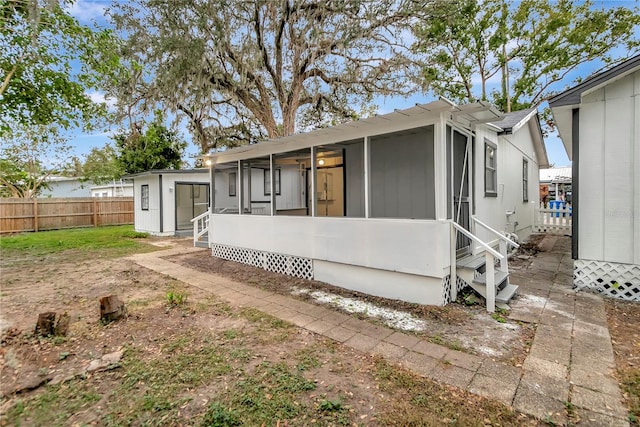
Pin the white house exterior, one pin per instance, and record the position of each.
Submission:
(63, 186)
(113, 189)
(599, 123)
(375, 205)
(166, 200)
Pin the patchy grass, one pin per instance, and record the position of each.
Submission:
(630, 381)
(111, 241)
(415, 401)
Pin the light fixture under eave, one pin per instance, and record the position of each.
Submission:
(208, 162)
(321, 162)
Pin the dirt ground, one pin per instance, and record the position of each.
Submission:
(458, 326)
(188, 364)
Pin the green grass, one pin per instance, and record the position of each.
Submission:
(630, 381)
(112, 241)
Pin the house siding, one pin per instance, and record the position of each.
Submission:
(609, 227)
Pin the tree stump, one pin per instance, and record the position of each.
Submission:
(111, 309)
(62, 326)
(46, 324)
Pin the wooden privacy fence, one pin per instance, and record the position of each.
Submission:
(555, 219)
(17, 215)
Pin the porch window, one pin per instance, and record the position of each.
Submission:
(490, 172)
(525, 180)
(144, 197)
(267, 182)
(233, 178)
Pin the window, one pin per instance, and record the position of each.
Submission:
(490, 172)
(267, 182)
(233, 181)
(144, 197)
(525, 180)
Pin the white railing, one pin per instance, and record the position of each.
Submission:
(504, 241)
(553, 219)
(490, 255)
(200, 226)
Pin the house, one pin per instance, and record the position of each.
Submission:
(64, 186)
(408, 205)
(113, 189)
(555, 184)
(166, 200)
(599, 124)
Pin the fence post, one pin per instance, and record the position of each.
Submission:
(95, 212)
(35, 214)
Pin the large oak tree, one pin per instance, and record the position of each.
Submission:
(243, 70)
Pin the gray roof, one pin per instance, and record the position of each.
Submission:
(512, 120)
(572, 96)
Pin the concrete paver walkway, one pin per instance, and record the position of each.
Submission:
(570, 364)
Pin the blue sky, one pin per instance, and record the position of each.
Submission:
(92, 11)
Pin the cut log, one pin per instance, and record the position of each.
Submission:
(46, 324)
(111, 308)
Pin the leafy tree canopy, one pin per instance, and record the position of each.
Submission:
(526, 45)
(157, 148)
(39, 84)
(244, 70)
(28, 158)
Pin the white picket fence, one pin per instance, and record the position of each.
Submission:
(553, 220)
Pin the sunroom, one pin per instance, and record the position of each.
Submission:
(381, 205)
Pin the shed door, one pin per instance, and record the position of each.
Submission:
(192, 199)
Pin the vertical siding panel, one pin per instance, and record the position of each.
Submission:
(618, 172)
(591, 227)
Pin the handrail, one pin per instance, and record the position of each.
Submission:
(476, 239)
(506, 239)
(199, 217)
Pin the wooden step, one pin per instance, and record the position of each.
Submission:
(505, 295)
(471, 262)
(201, 244)
(500, 277)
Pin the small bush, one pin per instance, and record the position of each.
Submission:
(175, 299)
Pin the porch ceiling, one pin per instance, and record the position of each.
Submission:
(419, 115)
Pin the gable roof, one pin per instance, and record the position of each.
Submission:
(573, 96)
(511, 122)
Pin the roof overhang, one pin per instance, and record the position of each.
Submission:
(165, 172)
(420, 115)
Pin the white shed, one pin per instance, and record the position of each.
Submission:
(407, 205)
(166, 200)
(599, 123)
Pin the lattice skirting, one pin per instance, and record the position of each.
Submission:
(278, 263)
(446, 287)
(611, 279)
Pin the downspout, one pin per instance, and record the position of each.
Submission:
(161, 204)
(575, 181)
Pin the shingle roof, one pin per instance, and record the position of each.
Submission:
(513, 119)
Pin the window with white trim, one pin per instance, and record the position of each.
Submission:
(525, 180)
(490, 169)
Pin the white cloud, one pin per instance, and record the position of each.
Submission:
(87, 11)
(99, 98)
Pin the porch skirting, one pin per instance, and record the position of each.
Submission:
(611, 279)
(278, 263)
(383, 283)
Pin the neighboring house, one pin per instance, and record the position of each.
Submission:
(599, 123)
(63, 186)
(555, 184)
(113, 189)
(166, 200)
(401, 205)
